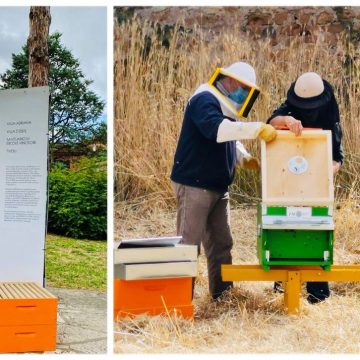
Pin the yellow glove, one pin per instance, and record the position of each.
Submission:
(251, 163)
(267, 132)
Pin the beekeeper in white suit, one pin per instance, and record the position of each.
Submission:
(205, 159)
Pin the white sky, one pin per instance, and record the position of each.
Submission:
(84, 34)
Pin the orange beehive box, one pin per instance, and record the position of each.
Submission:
(154, 297)
(27, 318)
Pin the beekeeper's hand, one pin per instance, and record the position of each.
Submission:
(294, 125)
(336, 167)
(251, 163)
(267, 132)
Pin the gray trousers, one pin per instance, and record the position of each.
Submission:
(203, 216)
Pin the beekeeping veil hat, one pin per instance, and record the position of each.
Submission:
(237, 103)
(243, 71)
(309, 91)
(240, 99)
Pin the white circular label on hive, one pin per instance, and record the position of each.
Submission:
(298, 165)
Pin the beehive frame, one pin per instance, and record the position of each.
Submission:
(281, 185)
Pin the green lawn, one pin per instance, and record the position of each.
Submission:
(72, 263)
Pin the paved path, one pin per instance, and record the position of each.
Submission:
(81, 321)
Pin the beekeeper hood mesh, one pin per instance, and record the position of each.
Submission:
(241, 95)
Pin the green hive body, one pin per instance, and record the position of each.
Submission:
(287, 243)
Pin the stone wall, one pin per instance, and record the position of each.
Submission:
(275, 23)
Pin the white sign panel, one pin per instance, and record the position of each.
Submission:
(24, 117)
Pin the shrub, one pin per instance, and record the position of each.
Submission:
(77, 199)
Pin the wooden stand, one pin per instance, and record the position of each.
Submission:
(292, 277)
(27, 318)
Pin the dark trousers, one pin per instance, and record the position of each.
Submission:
(318, 291)
(203, 216)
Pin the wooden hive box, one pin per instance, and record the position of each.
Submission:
(28, 315)
(154, 280)
(295, 224)
(297, 171)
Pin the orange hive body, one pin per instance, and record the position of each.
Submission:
(27, 318)
(171, 296)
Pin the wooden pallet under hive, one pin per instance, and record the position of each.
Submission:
(28, 315)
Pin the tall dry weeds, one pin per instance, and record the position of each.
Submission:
(153, 83)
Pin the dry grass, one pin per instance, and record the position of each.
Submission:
(236, 328)
(251, 318)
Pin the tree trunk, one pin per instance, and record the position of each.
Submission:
(40, 19)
